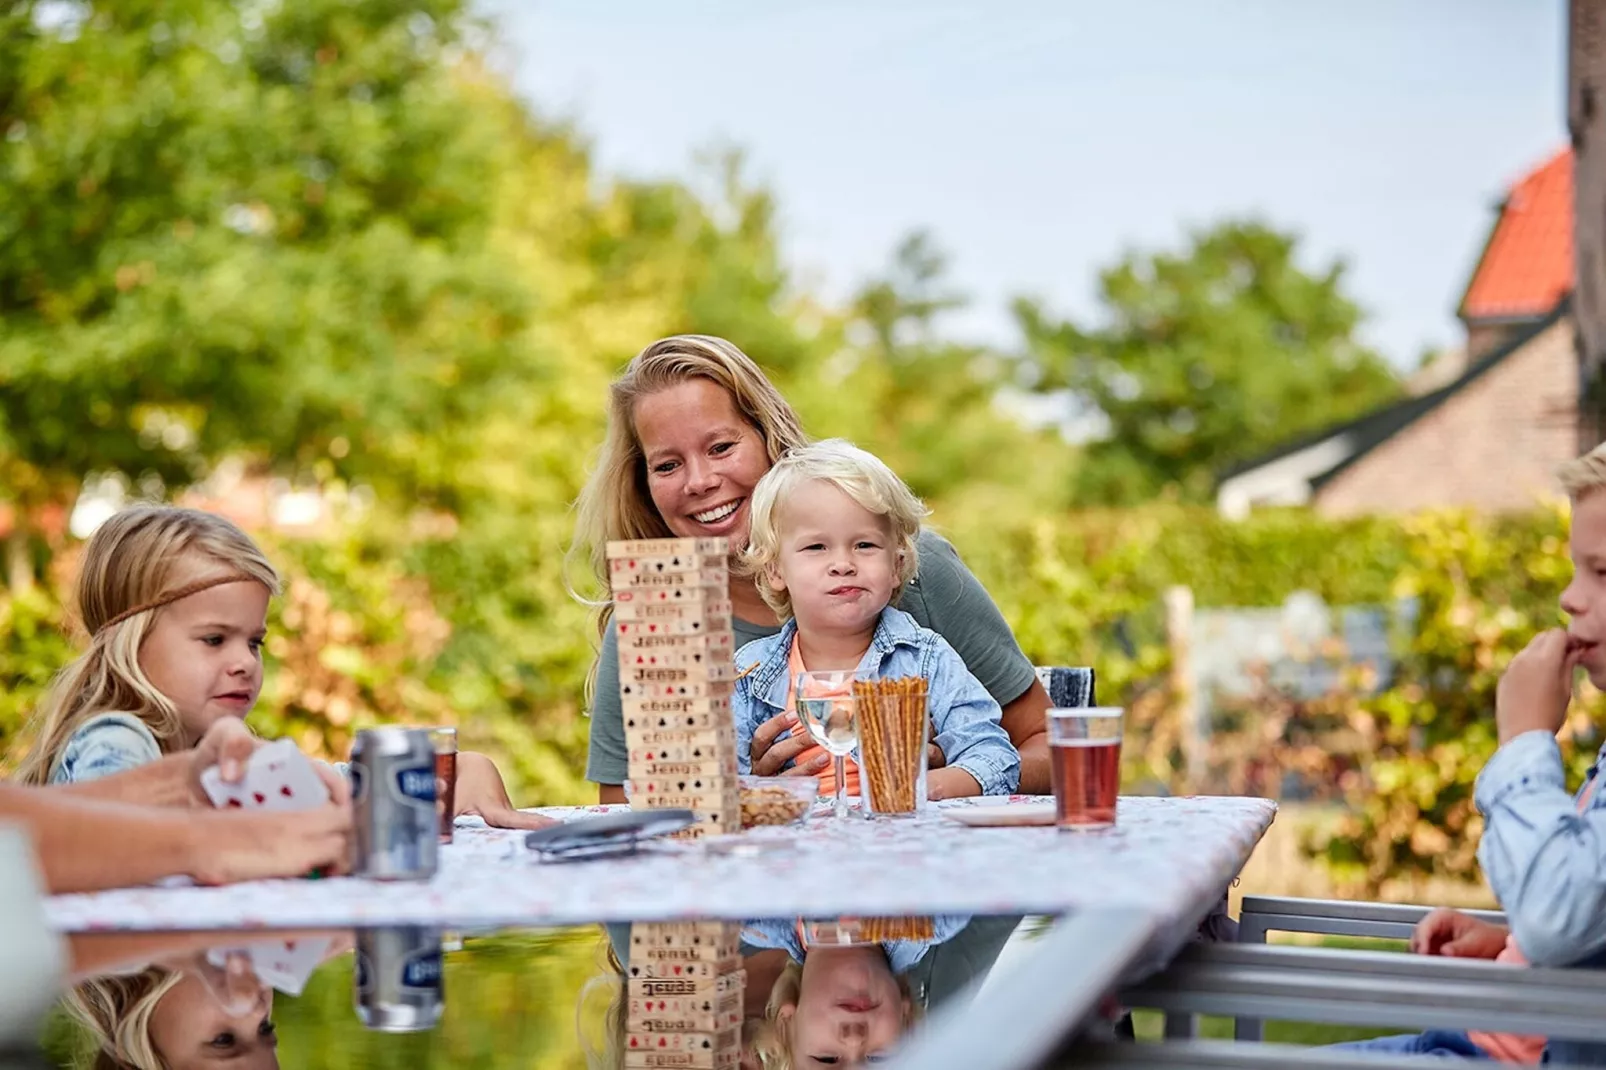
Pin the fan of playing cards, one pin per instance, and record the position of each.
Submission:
(277, 777)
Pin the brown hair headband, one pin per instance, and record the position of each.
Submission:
(173, 596)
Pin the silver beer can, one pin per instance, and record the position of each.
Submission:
(393, 791)
(398, 978)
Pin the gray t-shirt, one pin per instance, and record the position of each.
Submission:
(945, 597)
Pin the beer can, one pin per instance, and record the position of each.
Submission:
(398, 979)
(393, 791)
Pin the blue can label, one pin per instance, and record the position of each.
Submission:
(422, 971)
(417, 783)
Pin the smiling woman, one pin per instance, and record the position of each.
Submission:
(693, 425)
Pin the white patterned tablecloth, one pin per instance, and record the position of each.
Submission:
(1172, 856)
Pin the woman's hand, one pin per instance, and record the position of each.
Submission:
(480, 791)
(769, 757)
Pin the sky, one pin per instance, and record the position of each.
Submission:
(1039, 141)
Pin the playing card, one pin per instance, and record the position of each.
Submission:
(286, 964)
(277, 777)
(280, 777)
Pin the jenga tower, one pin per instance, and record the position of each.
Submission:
(684, 995)
(672, 602)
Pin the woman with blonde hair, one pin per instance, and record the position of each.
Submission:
(693, 425)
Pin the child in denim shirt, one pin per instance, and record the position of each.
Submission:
(833, 540)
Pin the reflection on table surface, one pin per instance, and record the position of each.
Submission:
(782, 992)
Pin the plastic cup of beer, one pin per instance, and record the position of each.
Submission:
(1085, 748)
(445, 740)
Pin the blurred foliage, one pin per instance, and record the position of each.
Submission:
(1208, 358)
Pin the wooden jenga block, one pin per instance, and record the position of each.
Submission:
(696, 785)
(637, 689)
(666, 564)
(712, 987)
(673, 722)
(724, 1059)
(700, 704)
(712, 645)
(694, 661)
(714, 578)
(670, 620)
(720, 670)
(695, 970)
(706, 825)
(684, 1015)
(673, 596)
(683, 746)
(619, 548)
(707, 1045)
(713, 801)
(723, 768)
(723, 950)
(691, 617)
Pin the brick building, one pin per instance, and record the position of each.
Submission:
(1484, 427)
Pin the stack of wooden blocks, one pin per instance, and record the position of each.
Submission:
(671, 600)
(685, 995)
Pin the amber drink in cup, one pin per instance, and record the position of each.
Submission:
(1085, 748)
(445, 740)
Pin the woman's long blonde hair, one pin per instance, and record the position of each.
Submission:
(116, 1013)
(135, 561)
(615, 503)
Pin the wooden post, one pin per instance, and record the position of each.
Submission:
(1184, 685)
(1586, 122)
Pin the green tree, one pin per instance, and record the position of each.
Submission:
(247, 228)
(1205, 358)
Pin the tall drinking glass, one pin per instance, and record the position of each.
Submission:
(827, 708)
(1085, 746)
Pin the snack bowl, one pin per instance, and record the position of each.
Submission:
(777, 800)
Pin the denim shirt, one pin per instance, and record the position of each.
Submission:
(1546, 862)
(902, 955)
(103, 746)
(965, 716)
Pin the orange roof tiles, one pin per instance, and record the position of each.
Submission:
(1528, 264)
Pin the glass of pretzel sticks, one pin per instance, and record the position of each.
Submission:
(893, 733)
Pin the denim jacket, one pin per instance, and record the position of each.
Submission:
(902, 955)
(1547, 862)
(966, 718)
(104, 745)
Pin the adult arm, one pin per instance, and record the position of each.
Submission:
(953, 603)
(981, 758)
(1545, 861)
(87, 844)
(607, 758)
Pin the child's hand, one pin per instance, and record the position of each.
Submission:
(480, 791)
(1456, 935)
(1537, 685)
(228, 744)
(769, 758)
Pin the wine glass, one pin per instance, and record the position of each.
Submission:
(827, 708)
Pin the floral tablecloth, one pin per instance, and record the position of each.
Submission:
(1174, 856)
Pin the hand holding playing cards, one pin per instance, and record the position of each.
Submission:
(236, 845)
(480, 791)
(228, 745)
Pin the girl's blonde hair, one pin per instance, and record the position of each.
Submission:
(116, 1012)
(615, 502)
(768, 1039)
(136, 562)
(1583, 475)
(859, 474)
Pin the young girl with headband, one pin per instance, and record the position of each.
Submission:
(176, 602)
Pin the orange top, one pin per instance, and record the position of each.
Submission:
(850, 768)
(1515, 1047)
